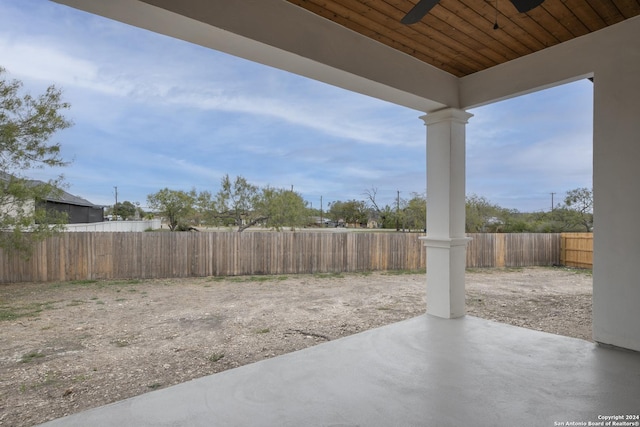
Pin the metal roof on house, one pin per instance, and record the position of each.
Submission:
(64, 197)
(61, 196)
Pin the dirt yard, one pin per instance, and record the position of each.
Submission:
(66, 347)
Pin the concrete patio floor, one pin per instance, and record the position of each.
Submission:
(424, 371)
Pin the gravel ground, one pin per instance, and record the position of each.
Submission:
(67, 347)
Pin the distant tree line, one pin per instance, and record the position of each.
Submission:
(242, 205)
(573, 214)
(405, 215)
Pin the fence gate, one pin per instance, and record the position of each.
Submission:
(576, 250)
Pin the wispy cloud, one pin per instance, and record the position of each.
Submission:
(150, 80)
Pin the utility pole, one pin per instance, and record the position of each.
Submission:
(398, 212)
(321, 219)
(115, 207)
(552, 201)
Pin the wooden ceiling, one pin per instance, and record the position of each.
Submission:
(458, 36)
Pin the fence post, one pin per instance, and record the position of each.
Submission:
(500, 250)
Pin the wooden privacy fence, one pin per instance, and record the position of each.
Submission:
(513, 249)
(576, 250)
(82, 256)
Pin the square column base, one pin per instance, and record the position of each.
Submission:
(446, 262)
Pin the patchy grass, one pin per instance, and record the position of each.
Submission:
(495, 270)
(82, 282)
(79, 378)
(123, 282)
(401, 272)
(328, 276)
(215, 357)
(241, 279)
(258, 279)
(75, 302)
(31, 356)
(13, 312)
(50, 377)
(98, 284)
(122, 342)
(9, 313)
(576, 270)
(263, 331)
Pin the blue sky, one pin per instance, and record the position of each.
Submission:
(151, 112)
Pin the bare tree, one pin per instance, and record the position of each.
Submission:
(371, 194)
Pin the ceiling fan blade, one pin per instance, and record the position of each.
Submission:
(419, 11)
(526, 5)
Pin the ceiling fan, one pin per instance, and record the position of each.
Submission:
(424, 6)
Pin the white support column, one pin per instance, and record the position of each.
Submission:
(446, 241)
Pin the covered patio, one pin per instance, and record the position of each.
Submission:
(441, 368)
(425, 371)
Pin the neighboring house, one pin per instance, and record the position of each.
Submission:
(78, 210)
(318, 221)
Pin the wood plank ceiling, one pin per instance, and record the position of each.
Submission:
(458, 36)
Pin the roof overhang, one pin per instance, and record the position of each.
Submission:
(283, 35)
